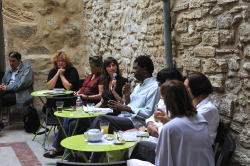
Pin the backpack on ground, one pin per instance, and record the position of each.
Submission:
(31, 120)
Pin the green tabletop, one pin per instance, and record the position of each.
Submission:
(70, 113)
(41, 93)
(78, 143)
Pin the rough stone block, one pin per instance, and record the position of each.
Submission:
(216, 11)
(227, 37)
(210, 38)
(224, 103)
(28, 4)
(237, 19)
(193, 15)
(205, 24)
(247, 51)
(37, 50)
(215, 65)
(189, 41)
(23, 31)
(244, 32)
(127, 52)
(225, 2)
(204, 52)
(188, 63)
(246, 66)
(180, 5)
(233, 64)
(224, 22)
(224, 51)
(217, 81)
(194, 4)
(181, 27)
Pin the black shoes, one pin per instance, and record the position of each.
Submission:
(54, 154)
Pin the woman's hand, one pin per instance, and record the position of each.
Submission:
(162, 116)
(113, 85)
(61, 71)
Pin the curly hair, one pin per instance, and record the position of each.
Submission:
(145, 61)
(65, 57)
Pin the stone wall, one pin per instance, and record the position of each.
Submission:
(210, 36)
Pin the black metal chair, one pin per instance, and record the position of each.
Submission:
(65, 163)
(50, 119)
(220, 138)
(226, 151)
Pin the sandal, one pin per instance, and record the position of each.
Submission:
(54, 154)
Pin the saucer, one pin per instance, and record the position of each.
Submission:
(119, 143)
(94, 141)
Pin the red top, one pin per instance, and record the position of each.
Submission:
(90, 87)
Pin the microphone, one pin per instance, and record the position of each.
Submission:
(114, 76)
(131, 79)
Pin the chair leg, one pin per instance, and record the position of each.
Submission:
(38, 130)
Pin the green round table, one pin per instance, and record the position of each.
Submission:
(78, 143)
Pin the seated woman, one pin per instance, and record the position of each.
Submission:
(63, 75)
(91, 91)
(112, 85)
(199, 88)
(183, 141)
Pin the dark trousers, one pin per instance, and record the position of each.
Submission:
(144, 150)
(7, 98)
(115, 123)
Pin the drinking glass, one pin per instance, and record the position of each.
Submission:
(156, 113)
(59, 105)
(118, 136)
(91, 107)
(104, 124)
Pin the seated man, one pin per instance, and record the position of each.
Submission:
(140, 104)
(17, 83)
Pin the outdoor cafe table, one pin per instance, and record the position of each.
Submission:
(46, 93)
(78, 143)
(71, 113)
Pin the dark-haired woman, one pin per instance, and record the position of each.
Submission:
(112, 86)
(63, 75)
(184, 140)
(199, 88)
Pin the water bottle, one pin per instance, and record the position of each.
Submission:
(79, 105)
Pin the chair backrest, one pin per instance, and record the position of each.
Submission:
(65, 163)
(226, 152)
(68, 101)
(220, 137)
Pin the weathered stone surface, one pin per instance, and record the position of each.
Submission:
(224, 103)
(242, 156)
(225, 2)
(181, 27)
(247, 51)
(192, 15)
(180, 5)
(204, 52)
(216, 11)
(23, 31)
(210, 38)
(194, 4)
(233, 64)
(246, 66)
(224, 22)
(28, 4)
(237, 19)
(37, 50)
(189, 63)
(227, 37)
(224, 51)
(215, 65)
(244, 32)
(188, 41)
(217, 81)
(205, 24)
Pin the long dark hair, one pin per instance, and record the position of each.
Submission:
(177, 99)
(106, 62)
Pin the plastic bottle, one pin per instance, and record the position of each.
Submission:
(79, 105)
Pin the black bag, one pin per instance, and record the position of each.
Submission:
(31, 120)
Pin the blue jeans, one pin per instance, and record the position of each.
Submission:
(68, 125)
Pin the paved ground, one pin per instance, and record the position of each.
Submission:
(18, 149)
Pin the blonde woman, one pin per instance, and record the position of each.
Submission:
(63, 75)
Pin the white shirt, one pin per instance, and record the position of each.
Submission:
(185, 142)
(209, 111)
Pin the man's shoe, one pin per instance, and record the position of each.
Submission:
(1, 125)
(54, 154)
